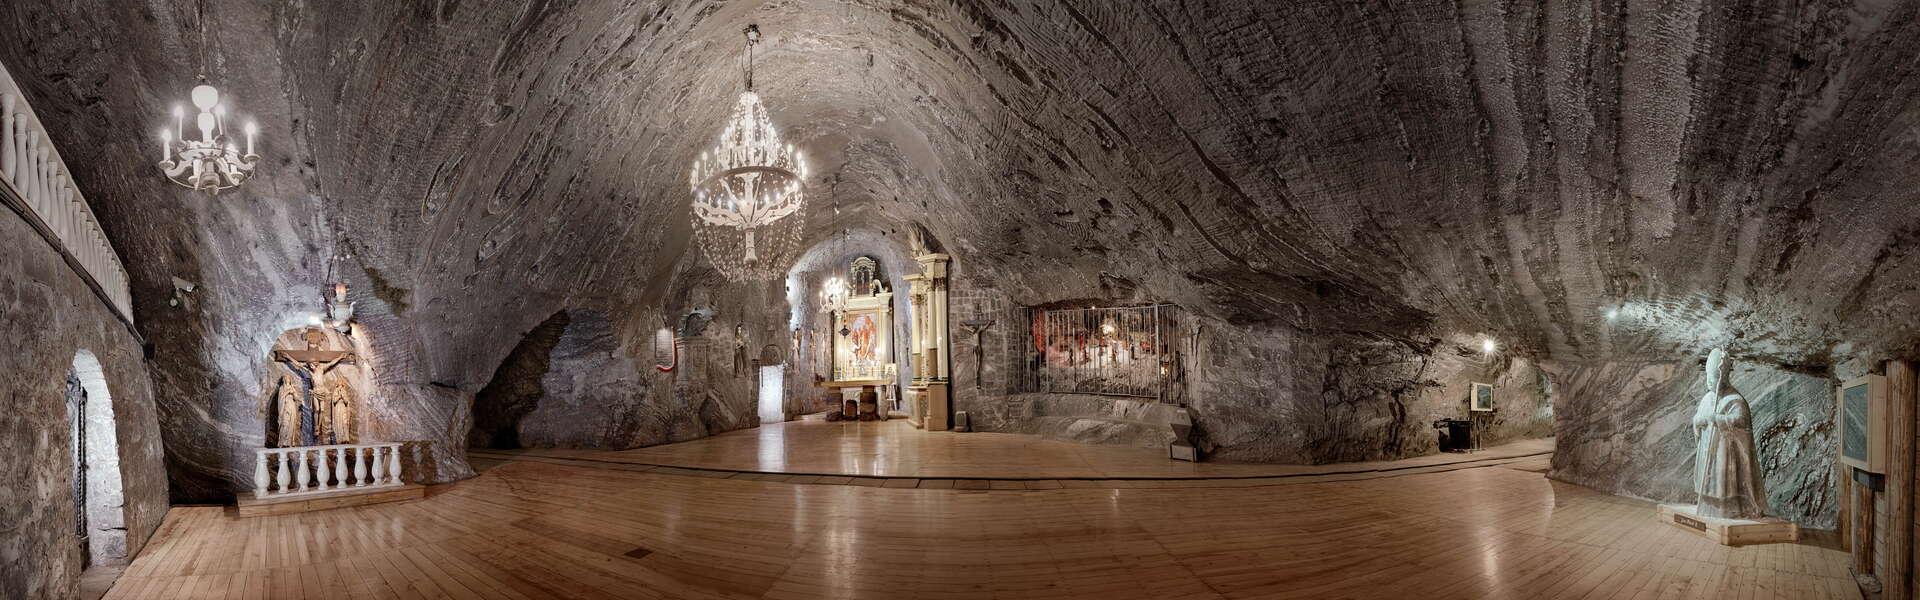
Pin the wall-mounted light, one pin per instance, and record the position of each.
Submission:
(1613, 313)
(181, 288)
(339, 310)
(1487, 346)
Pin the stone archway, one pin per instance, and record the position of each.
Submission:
(772, 394)
(99, 502)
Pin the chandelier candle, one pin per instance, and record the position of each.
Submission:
(213, 162)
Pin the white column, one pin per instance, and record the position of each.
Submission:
(379, 465)
(43, 160)
(359, 466)
(320, 469)
(30, 170)
(18, 173)
(393, 465)
(300, 469)
(260, 473)
(8, 154)
(286, 470)
(340, 467)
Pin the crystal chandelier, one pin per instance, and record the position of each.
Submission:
(213, 162)
(748, 190)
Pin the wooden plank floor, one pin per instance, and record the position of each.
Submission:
(529, 530)
(895, 449)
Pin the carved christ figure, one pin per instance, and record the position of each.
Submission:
(1726, 470)
(321, 402)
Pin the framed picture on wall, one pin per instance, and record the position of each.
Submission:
(1480, 397)
(1862, 413)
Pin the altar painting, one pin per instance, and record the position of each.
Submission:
(862, 351)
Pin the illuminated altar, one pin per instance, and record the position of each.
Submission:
(862, 340)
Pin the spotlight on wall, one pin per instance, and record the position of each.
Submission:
(1613, 313)
(1487, 346)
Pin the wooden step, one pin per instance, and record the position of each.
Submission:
(251, 506)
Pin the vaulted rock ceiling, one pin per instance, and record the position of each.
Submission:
(1716, 173)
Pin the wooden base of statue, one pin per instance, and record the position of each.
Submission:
(1730, 532)
(930, 406)
(272, 505)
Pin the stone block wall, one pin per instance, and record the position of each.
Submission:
(51, 315)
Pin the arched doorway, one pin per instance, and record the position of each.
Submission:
(773, 394)
(100, 524)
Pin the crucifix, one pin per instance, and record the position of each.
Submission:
(324, 414)
(978, 327)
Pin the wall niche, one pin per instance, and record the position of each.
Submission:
(315, 385)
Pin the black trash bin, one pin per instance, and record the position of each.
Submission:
(1456, 435)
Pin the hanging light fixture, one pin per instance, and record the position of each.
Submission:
(213, 162)
(748, 190)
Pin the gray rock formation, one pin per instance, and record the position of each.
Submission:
(1345, 196)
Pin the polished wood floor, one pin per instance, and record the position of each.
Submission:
(538, 529)
(895, 449)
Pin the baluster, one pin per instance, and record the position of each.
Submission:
(379, 466)
(31, 169)
(42, 181)
(393, 465)
(57, 191)
(24, 171)
(359, 466)
(43, 189)
(320, 468)
(340, 467)
(63, 220)
(37, 175)
(8, 155)
(18, 174)
(260, 473)
(286, 470)
(300, 466)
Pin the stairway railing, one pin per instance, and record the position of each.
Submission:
(31, 167)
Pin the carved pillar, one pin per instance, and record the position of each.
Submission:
(916, 342)
(933, 363)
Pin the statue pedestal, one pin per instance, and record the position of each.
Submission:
(1730, 532)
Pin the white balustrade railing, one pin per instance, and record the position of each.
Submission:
(32, 167)
(279, 472)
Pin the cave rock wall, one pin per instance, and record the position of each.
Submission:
(1259, 392)
(587, 377)
(53, 316)
(1626, 428)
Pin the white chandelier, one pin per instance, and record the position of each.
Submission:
(212, 162)
(747, 185)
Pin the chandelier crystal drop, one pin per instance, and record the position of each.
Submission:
(212, 162)
(748, 190)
